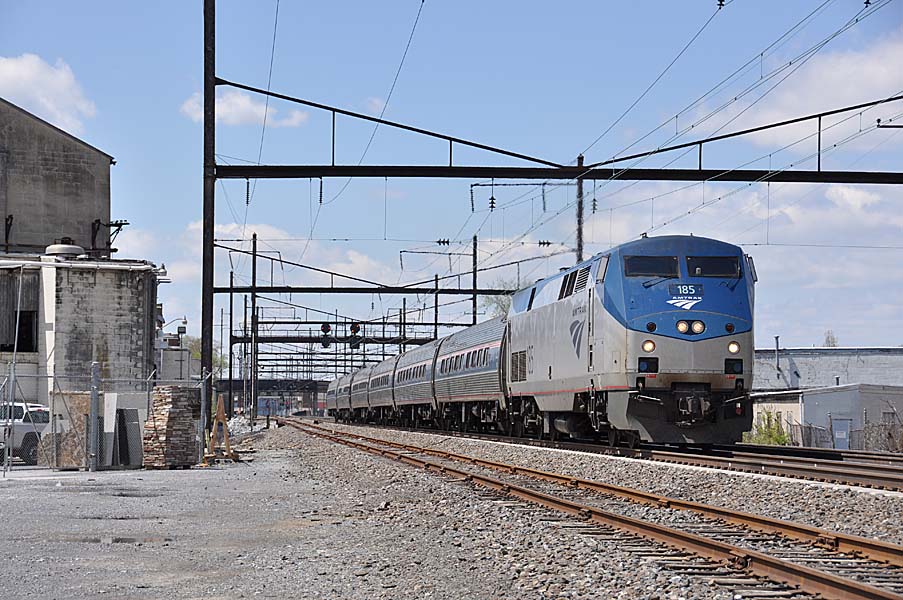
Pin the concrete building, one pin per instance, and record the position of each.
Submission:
(832, 397)
(859, 416)
(53, 186)
(799, 368)
(73, 311)
(63, 302)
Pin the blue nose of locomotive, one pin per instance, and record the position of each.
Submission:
(690, 289)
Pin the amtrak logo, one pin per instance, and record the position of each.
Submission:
(577, 335)
(685, 303)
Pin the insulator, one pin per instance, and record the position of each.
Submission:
(471, 200)
(321, 191)
(247, 192)
(543, 197)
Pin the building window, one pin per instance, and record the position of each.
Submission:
(27, 336)
(888, 417)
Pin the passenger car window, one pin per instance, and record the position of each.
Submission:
(650, 266)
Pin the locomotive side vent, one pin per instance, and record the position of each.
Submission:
(582, 278)
(519, 366)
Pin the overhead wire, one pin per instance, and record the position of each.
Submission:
(863, 13)
(385, 105)
(654, 81)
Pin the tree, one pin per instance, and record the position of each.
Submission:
(830, 339)
(767, 430)
(498, 306)
(194, 349)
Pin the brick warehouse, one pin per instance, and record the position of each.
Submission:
(77, 305)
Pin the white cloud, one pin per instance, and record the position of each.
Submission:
(49, 91)
(831, 79)
(137, 243)
(234, 107)
(852, 198)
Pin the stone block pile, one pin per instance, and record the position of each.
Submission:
(170, 432)
(66, 449)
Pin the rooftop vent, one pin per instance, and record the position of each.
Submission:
(64, 248)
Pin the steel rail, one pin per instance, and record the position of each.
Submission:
(846, 456)
(846, 473)
(862, 474)
(840, 542)
(805, 578)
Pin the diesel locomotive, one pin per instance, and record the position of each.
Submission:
(651, 340)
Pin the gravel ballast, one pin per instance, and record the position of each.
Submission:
(843, 509)
(306, 518)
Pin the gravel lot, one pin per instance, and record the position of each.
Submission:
(307, 518)
(859, 511)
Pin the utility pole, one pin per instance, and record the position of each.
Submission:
(435, 308)
(229, 404)
(255, 373)
(404, 320)
(244, 361)
(209, 194)
(579, 212)
(474, 279)
(253, 327)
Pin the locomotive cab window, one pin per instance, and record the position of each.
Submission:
(650, 266)
(713, 266)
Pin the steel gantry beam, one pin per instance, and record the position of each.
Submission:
(316, 339)
(569, 172)
(386, 289)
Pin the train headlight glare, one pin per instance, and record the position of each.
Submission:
(733, 347)
(698, 327)
(683, 326)
(648, 346)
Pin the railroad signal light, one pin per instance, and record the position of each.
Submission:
(325, 328)
(355, 328)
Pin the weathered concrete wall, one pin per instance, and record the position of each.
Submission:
(104, 315)
(53, 184)
(818, 367)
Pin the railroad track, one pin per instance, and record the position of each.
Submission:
(878, 470)
(753, 555)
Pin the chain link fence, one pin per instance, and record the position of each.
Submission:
(46, 421)
(883, 437)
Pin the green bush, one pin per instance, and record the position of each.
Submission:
(767, 430)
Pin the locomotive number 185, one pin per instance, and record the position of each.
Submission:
(685, 289)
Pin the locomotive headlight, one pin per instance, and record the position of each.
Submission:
(698, 327)
(683, 326)
(648, 346)
(733, 347)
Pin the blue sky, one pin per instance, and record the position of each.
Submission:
(521, 75)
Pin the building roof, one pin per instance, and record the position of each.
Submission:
(54, 127)
(793, 395)
(839, 350)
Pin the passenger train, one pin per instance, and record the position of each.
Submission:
(651, 340)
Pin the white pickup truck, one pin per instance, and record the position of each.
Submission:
(24, 431)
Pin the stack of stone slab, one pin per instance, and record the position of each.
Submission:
(67, 448)
(170, 432)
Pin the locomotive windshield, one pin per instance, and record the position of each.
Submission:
(713, 266)
(650, 266)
